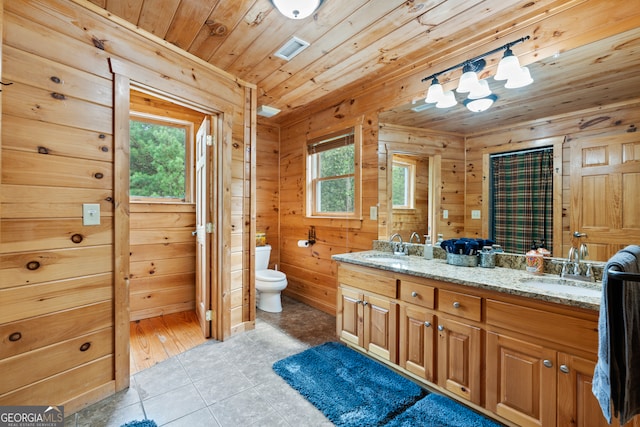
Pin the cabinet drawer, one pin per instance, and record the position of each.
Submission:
(463, 305)
(376, 283)
(562, 329)
(417, 293)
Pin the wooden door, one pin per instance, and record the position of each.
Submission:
(605, 177)
(380, 327)
(521, 381)
(417, 346)
(349, 317)
(460, 359)
(205, 171)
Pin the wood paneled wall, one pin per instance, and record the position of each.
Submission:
(268, 188)
(163, 259)
(58, 287)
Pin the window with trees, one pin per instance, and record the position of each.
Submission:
(159, 158)
(403, 184)
(333, 175)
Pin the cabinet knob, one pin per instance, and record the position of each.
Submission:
(427, 324)
(365, 303)
(547, 363)
(359, 301)
(440, 328)
(456, 304)
(414, 294)
(564, 369)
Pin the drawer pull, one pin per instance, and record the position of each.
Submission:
(427, 324)
(359, 301)
(547, 363)
(440, 328)
(365, 303)
(15, 336)
(414, 294)
(564, 369)
(85, 346)
(456, 304)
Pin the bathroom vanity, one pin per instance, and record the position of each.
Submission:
(506, 342)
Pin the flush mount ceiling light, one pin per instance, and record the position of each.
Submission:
(297, 9)
(267, 111)
(480, 97)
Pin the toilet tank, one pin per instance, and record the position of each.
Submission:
(262, 257)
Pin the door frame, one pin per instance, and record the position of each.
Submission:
(126, 77)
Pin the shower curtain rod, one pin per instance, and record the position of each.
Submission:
(515, 153)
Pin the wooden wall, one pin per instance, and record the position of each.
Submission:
(268, 188)
(58, 285)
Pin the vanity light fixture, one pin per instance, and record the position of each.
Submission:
(480, 97)
(297, 9)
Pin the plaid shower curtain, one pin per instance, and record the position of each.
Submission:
(522, 199)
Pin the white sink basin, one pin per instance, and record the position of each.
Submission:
(387, 259)
(564, 286)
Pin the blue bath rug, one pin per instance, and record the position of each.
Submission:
(439, 411)
(143, 423)
(349, 388)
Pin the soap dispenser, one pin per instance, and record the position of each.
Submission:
(428, 248)
(535, 260)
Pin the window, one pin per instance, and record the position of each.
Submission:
(404, 184)
(333, 176)
(159, 158)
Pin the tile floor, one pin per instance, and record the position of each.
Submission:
(227, 384)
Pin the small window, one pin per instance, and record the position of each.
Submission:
(159, 159)
(333, 176)
(404, 184)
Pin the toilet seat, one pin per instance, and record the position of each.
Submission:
(270, 275)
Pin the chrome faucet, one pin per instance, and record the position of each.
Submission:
(417, 237)
(398, 247)
(575, 256)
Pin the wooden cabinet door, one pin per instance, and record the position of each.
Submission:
(380, 327)
(349, 318)
(417, 345)
(460, 359)
(605, 177)
(577, 406)
(521, 381)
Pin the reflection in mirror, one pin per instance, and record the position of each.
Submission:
(408, 192)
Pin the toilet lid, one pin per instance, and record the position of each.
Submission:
(270, 275)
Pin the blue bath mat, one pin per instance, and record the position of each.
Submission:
(439, 411)
(349, 388)
(143, 423)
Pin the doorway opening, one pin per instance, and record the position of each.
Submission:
(170, 204)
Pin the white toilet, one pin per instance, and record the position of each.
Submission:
(269, 283)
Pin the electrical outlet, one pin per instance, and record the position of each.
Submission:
(475, 214)
(90, 214)
(445, 214)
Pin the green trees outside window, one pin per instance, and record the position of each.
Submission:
(157, 160)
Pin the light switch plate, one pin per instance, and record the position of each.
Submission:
(475, 214)
(373, 212)
(445, 214)
(90, 214)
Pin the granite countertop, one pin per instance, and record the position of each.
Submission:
(546, 287)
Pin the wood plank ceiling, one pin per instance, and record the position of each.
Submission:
(359, 43)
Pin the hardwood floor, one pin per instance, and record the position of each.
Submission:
(158, 338)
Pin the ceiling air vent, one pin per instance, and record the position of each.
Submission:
(291, 48)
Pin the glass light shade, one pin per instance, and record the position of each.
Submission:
(296, 9)
(522, 79)
(435, 92)
(468, 82)
(479, 105)
(481, 91)
(448, 100)
(508, 67)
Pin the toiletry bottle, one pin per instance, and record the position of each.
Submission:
(543, 250)
(439, 241)
(535, 261)
(428, 248)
